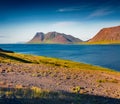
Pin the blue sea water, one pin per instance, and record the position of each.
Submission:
(101, 55)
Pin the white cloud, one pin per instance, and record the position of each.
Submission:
(77, 29)
(100, 12)
(63, 24)
(75, 8)
(1, 36)
(68, 9)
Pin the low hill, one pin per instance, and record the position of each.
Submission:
(107, 35)
(53, 38)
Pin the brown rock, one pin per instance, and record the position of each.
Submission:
(111, 34)
(2, 70)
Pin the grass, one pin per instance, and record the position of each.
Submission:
(20, 92)
(36, 95)
(53, 67)
(28, 96)
(22, 58)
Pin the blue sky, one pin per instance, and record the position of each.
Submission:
(21, 19)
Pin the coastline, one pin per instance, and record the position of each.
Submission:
(90, 54)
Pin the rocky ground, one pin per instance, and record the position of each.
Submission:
(100, 83)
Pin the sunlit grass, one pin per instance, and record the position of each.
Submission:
(22, 58)
(33, 92)
(39, 96)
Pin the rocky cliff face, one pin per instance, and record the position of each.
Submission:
(109, 35)
(54, 37)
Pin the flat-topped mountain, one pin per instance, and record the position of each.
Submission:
(54, 37)
(107, 35)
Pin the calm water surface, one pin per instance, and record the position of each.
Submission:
(102, 55)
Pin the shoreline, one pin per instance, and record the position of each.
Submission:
(79, 56)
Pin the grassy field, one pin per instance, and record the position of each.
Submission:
(22, 58)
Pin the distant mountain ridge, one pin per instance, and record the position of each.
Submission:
(54, 37)
(107, 35)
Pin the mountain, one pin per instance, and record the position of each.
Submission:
(54, 37)
(107, 35)
(39, 37)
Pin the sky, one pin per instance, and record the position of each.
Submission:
(21, 19)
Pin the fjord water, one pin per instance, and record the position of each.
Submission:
(102, 55)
